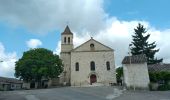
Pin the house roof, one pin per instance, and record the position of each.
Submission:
(9, 80)
(67, 31)
(135, 59)
(159, 67)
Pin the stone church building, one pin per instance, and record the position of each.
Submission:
(91, 62)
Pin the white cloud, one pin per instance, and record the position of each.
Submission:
(118, 36)
(8, 65)
(58, 48)
(86, 18)
(42, 16)
(33, 43)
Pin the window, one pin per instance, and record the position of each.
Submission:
(92, 66)
(64, 39)
(77, 66)
(92, 46)
(108, 65)
(68, 40)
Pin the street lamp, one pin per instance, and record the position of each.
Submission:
(130, 65)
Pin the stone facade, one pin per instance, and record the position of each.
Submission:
(83, 55)
(78, 62)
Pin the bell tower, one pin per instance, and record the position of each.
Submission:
(66, 40)
(65, 54)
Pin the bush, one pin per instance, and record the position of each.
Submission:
(159, 76)
(164, 87)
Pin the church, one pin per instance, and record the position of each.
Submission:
(91, 62)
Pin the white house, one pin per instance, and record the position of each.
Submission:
(91, 62)
(135, 72)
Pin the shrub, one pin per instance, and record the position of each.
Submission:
(159, 76)
(164, 87)
(162, 78)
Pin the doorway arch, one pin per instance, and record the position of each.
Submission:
(93, 78)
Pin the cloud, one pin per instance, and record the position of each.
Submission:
(8, 65)
(58, 48)
(33, 43)
(118, 35)
(42, 16)
(86, 18)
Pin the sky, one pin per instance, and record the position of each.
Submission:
(26, 24)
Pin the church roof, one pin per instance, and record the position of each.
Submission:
(67, 31)
(159, 67)
(135, 59)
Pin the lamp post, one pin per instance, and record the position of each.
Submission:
(130, 62)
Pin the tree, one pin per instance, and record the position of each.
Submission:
(142, 46)
(119, 75)
(36, 64)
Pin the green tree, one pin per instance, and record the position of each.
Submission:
(142, 46)
(36, 64)
(119, 73)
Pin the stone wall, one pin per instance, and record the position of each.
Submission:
(97, 46)
(82, 77)
(136, 75)
(65, 76)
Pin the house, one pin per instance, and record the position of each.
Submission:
(136, 72)
(160, 67)
(91, 62)
(159, 74)
(10, 84)
(33, 84)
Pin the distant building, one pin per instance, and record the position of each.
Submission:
(159, 67)
(135, 71)
(91, 62)
(10, 84)
(34, 85)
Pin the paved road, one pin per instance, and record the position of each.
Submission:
(144, 95)
(83, 93)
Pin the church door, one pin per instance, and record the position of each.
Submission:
(93, 79)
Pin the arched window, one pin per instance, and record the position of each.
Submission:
(77, 66)
(92, 66)
(68, 40)
(64, 39)
(108, 65)
(92, 47)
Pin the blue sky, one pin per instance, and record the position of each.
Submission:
(109, 21)
(154, 11)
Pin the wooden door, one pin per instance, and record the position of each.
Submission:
(93, 79)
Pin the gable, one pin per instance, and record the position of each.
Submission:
(88, 46)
